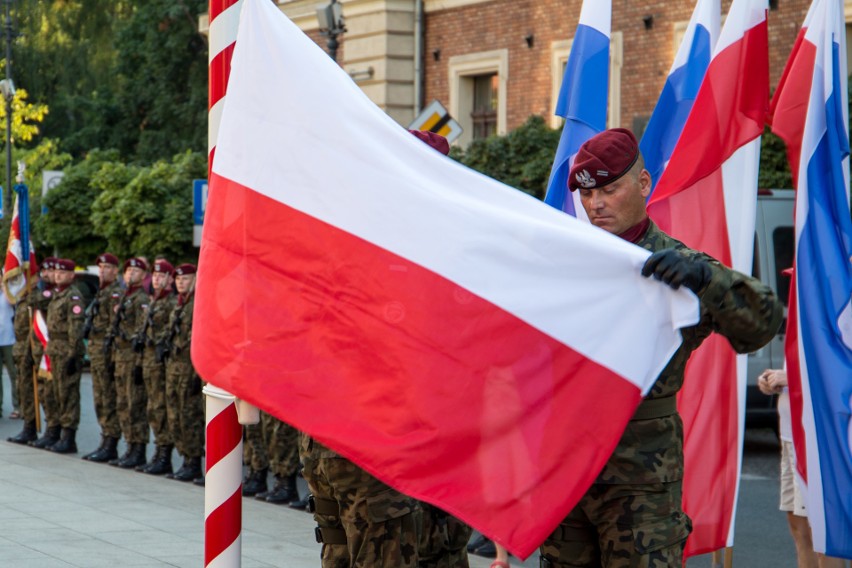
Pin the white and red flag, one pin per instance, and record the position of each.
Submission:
(19, 273)
(397, 306)
(706, 197)
(810, 112)
(40, 331)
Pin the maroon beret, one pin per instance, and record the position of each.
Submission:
(107, 258)
(603, 158)
(185, 269)
(434, 140)
(135, 262)
(64, 264)
(163, 265)
(48, 263)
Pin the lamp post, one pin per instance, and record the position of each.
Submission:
(331, 25)
(7, 89)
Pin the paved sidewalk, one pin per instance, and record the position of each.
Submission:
(60, 511)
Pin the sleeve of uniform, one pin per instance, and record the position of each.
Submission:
(741, 308)
(76, 321)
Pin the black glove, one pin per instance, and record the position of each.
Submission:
(138, 376)
(71, 367)
(677, 270)
(195, 385)
(138, 344)
(111, 370)
(161, 352)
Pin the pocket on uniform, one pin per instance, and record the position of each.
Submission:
(387, 505)
(657, 536)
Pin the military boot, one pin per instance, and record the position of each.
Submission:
(108, 451)
(255, 482)
(161, 463)
(134, 456)
(25, 436)
(191, 469)
(96, 450)
(67, 443)
(282, 493)
(157, 451)
(51, 436)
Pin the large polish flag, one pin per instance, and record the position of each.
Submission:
(20, 268)
(681, 87)
(811, 115)
(706, 197)
(582, 99)
(396, 306)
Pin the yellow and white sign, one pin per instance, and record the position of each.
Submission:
(435, 118)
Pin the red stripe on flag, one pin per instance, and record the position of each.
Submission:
(219, 73)
(794, 380)
(219, 534)
(216, 7)
(432, 389)
(729, 111)
(224, 433)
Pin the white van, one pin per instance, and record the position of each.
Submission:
(774, 245)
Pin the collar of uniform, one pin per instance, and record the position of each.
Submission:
(635, 233)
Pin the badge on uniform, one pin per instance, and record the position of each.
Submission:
(77, 309)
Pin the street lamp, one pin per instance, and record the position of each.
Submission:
(331, 25)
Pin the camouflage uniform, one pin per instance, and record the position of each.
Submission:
(103, 308)
(282, 446)
(40, 300)
(361, 521)
(130, 387)
(65, 321)
(23, 356)
(184, 401)
(254, 450)
(154, 371)
(443, 540)
(632, 514)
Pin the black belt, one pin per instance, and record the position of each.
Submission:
(651, 408)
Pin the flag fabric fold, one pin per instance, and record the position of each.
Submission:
(583, 98)
(40, 331)
(681, 87)
(20, 268)
(396, 306)
(811, 115)
(706, 197)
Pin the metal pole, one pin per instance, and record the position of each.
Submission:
(7, 195)
(333, 44)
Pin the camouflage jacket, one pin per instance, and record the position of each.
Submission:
(65, 320)
(131, 315)
(39, 299)
(179, 330)
(156, 324)
(107, 301)
(740, 308)
(21, 324)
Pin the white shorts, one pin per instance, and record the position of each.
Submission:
(792, 500)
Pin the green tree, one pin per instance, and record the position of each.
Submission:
(148, 210)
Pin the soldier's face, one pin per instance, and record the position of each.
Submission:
(619, 205)
(107, 273)
(62, 277)
(184, 283)
(161, 280)
(134, 275)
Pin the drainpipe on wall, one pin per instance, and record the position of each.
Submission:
(418, 57)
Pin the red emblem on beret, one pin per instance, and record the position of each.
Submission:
(603, 158)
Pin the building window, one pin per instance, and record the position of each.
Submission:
(478, 93)
(559, 51)
(484, 114)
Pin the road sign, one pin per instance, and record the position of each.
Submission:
(435, 118)
(49, 180)
(199, 205)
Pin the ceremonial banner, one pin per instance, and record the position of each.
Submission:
(20, 270)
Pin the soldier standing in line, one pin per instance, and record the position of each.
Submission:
(98, 317)
(152, 329)
(129, 382)
(39, 303)
(65, 320)
(443, 540)
(256, 458)
(184, 401)
(282, 447)
(23, 356)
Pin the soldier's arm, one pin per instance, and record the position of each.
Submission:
(76, 320)
(741, 308)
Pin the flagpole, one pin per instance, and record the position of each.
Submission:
(224, 465)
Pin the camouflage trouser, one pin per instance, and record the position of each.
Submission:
(8, 360)
(282, 445)
(26, 395)
(66, 386)
(185, 408)
(103, 390)
(254, 449)
(362, 522)
(614, 526)
(155, 388)
(131, 400)
(443, 540)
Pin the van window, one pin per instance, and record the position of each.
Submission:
(782, 244)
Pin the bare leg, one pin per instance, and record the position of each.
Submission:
(501, 559)
(801, 532)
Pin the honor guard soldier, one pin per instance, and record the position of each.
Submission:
(23, 356)
(184, 401)
(129, 382)
(148, 337)
(282, 448)
(39, 304)
(632, 515)
(65, 319)
(98, 319)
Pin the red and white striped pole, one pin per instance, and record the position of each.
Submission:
(223, 485)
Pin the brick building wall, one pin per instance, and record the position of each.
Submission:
(647, 51)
